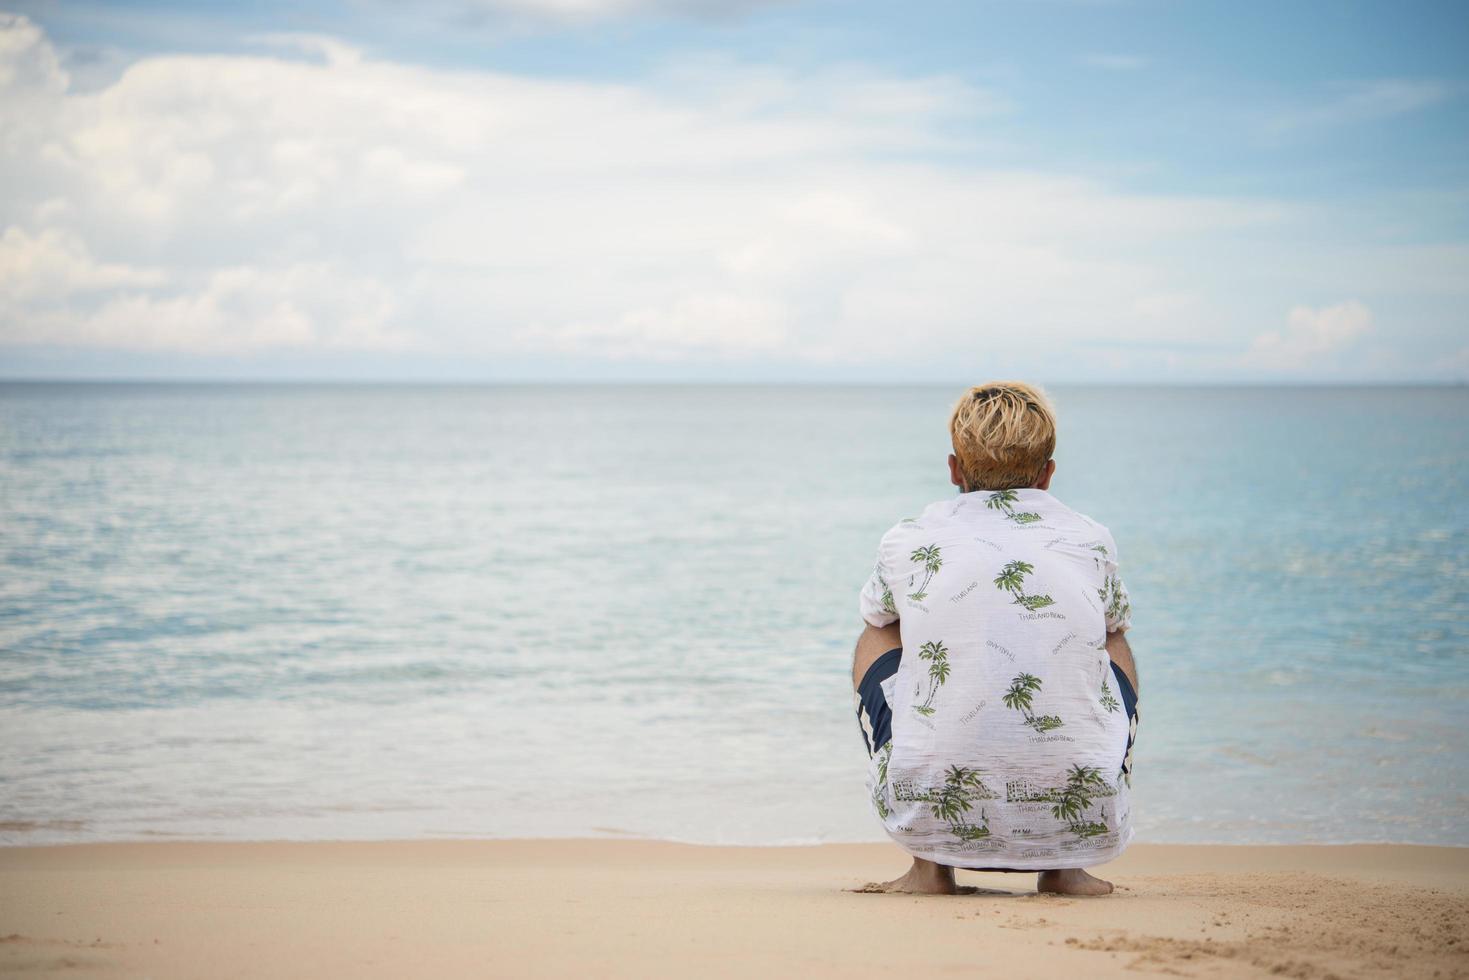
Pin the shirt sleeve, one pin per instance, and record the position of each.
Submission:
(1115, 601)
(876, 602)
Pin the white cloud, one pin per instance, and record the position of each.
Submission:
(323, 46)
(1364, 102)
(726, 324)
(1311, 337)
(58, 264)
(28, 62)
(236, 310)
(225, 205)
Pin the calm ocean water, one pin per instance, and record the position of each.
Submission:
(359, 611)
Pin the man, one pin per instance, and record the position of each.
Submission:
(995, 688)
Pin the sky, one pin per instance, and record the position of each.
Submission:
(1111, 191)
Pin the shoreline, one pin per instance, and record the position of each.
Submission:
(597, 835)
(620, 907)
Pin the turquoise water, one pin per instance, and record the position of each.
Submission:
(366, 611)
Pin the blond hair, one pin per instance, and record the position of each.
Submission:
(1004, 433)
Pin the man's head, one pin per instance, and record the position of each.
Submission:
(1003, 433)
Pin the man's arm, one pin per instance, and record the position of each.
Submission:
(873, 643)
(1121, 655)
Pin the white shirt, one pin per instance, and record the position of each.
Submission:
(1008, 731)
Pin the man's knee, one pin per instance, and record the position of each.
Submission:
(873, 643)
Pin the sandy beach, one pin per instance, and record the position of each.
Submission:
(640, 909)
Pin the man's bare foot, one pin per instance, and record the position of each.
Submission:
(1071, 881)
(924, 878)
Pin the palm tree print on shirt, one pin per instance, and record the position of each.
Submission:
(888, 605)
(1019, 698)
(1113, 597)
(955, 798)
(1073, 799)
(880, 790)
(1012, 579)
(1004, 500)
(1108, 701)
(932, 561)
(937, 656)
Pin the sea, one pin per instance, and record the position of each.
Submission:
(355, 611)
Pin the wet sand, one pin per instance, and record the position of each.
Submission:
(614, 908)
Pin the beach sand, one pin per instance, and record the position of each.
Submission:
(616, 908)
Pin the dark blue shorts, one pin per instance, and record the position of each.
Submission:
(875, 717)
